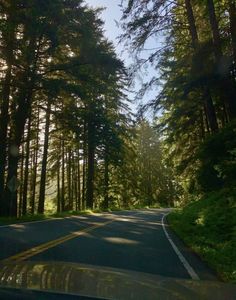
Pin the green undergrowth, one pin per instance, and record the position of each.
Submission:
(71, 213)
(27, 218)
(31, 218)
(208, 226)
(39, 217)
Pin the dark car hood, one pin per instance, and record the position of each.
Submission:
(107, 283)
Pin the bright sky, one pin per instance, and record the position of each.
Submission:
(110, 15)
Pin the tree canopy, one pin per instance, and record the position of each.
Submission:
(195, 66)
(68, 138)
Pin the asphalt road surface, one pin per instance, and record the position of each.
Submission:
(131, 240)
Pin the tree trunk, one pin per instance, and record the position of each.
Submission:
(210, 110)
(202, 127)
(17, 130)
(26, 171)
(73, 178)
(41, 202)
(214, 29)
(19, 214)
(35, 167)
(232, 17)
(207, 99)
(70, 201)
(63, 175)
(206, 120)
(79, 183)
(192, 25)
(227, 89)
(84, 169)
(83, 184)
(91, 169)
(4, 120)
(58, 187)
(20, 116)
(106, 181)
(4, 116)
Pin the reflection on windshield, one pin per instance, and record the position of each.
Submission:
(107, 283)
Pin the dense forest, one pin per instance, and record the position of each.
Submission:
(70, 142)
(68, 139)
(192, 46)
(195, 60)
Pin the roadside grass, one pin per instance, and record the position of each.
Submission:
(39, 217)
(65, 214)
(208, 226)
(27, 218)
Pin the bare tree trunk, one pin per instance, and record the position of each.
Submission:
(4, 120)
(73, 176)
(83, 184)
(206, 120)
(214, 29)
(79, 183)
(63, 176)
(227, 89)
(202, 125)
(35, 167)
(26, 173)
(19, 118)
(21, 180)
(210, 110)
(106, 180)
(192, 25)
(91, 166)
(4, 116)
(84, 169)
(207, 99)
(70, 201)
(41, 202)
(232, 17)
(58, 187)
(74, 181)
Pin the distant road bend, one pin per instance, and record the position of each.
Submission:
(132, 240)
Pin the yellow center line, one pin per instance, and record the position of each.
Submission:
(43, 247)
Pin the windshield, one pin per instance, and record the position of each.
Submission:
(117, 145)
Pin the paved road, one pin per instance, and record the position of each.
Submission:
(132, 240)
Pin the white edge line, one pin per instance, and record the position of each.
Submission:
(187, 266)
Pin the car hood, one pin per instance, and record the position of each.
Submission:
(107, 283)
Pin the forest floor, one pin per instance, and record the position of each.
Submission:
(208, 227)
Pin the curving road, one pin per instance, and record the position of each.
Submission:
(132, 240)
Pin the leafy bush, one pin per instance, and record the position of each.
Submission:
(209, 227)
(218, 160)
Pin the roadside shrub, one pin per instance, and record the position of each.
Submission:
(217, 157)
(209, 227)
